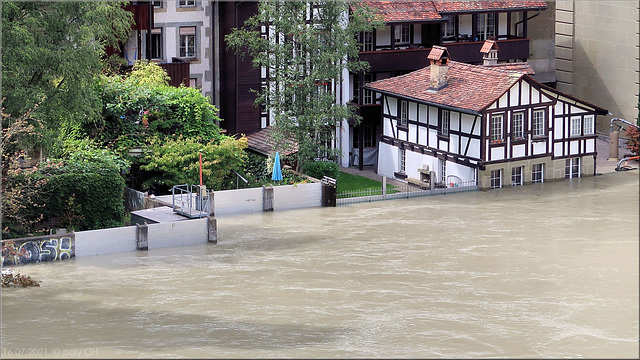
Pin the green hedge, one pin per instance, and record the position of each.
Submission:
(318, 169)
(86, 201)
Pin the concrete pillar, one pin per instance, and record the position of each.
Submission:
(212, 225)
(267, 198)
(210, 205)
(142, 236)
(384, 187)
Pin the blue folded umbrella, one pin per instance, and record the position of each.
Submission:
(277, 173)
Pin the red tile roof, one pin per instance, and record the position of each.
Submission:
(488, 45)
(403, 11)
(470, 87)
(446, 6)
(420, 10)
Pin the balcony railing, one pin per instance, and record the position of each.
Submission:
(467, 52)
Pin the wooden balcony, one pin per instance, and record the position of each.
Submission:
(178, 71)
(467, 52)
(142, 16)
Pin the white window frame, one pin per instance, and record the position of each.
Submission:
(157, 35)
(538, 123)
(404, 113)
(186, 3)
(442, 164)
(496, 175)
(444, 123)
(537, 173)
(517, 125)
(486, 26)
(495, 128)
(402, 34)
(449, 29)
(188, 43)
(367, 41)
(158, 4)
(572, 168)
(402, 160)
(367, 95)
(589, 124)
(517, 175)
(576, 126)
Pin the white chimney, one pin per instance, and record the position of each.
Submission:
(439, 58)
(489, 52)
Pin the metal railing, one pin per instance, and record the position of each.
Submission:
(190, 200)
(403, 192)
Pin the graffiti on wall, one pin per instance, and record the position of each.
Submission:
(31, 251)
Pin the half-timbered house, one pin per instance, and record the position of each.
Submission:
(490, 124)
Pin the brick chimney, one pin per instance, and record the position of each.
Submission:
(489, 52)
(438, 57)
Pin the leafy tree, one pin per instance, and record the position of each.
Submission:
(176, 161)
(309, 45)
(52, 50)
(142, 105)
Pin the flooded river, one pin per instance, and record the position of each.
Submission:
(539, 271)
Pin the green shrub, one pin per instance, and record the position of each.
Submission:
(318, 169)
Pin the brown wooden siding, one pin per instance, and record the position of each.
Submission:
(141, 15)
(467, 52)
(237, 76)
(179, 73)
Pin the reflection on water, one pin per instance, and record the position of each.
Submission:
(547, 270)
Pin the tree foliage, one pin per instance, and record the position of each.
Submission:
(141, 106)
(308, 47)
(52, 50)
(176, 161)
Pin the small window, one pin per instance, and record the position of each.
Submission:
(156, 43)
(193, 82)
(449, 30)
(444, 123)
(187, 3)
(402, 35)
(589, 122)
(188, 42)
(496, 179)
(402, 160)
(517, 124)
(516, 176)
(576, 128)
(157, 4)
(495, 129)
(404, 113)
(367, 95)
(367, 41)
(537, 123)
(537, 173)
(572, 168)
(442, 164)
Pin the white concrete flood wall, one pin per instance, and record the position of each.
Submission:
(229, 202)
(107, 241)
(297, 196)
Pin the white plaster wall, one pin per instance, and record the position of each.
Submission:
(171, 18)
(178, 233)
(298, 196)
(106, 241)
(387, 160)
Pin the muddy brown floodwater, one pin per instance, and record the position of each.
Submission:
(539, 271)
